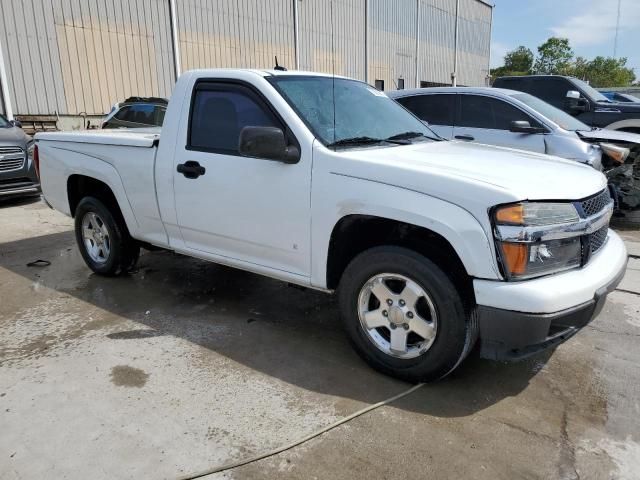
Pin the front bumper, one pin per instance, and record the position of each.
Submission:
(518, 319)
(18, 187)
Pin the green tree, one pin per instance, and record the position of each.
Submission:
(603, 72)
(554, 57)
(519, 60)
(516, 62)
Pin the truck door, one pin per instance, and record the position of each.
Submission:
(487, 120)
(248, 210)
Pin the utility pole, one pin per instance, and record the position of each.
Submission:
(615, 41)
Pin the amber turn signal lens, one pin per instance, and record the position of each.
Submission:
(513, 214)
(515, 257)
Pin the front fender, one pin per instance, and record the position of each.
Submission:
(458, 226)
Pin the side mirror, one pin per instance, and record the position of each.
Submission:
(268, 143)
(16, 123)
(522, 126)
(574, 104)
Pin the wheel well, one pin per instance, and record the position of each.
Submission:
(80, 186)
(354, 234)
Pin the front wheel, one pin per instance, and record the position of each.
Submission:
(404, 315)
(103, 238)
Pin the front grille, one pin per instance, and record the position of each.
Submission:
(595, 204)
(587, 208)
(597, 239)
(8, 150)
(11, 158)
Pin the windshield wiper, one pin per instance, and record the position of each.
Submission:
(354, 141)
(409, 135)
(406, 135)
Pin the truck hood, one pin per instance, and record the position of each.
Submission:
(604, 135)
(470, 171)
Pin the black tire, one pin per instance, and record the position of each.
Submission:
(456, 329)
(124, 250)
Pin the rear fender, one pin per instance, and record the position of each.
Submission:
(59, 162)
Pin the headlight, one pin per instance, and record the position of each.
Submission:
(614, 152)
(30, 148)
(542, 246)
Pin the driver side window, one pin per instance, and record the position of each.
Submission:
(219, 112)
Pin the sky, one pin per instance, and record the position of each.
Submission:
(589, 25)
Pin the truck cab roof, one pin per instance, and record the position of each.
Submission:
(262, 72)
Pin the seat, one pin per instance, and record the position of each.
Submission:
(217, 125)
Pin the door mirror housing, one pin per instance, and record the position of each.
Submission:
(16, 123)
(268, 143)
(574, 104)
(522, 126)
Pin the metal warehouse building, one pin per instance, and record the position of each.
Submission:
(63, 60)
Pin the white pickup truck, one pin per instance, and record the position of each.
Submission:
(325, 182)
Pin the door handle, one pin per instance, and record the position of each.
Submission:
(191, 169)
(466, 137)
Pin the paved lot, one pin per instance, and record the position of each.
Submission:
(185, 365)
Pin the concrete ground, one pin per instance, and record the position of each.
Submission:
(185, 365)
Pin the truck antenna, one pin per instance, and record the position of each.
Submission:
(279, 67)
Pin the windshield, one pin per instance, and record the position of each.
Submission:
(590, 91)
(359, 115)
(557, 116)
(4, 123)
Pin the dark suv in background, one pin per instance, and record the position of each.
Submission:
(17, 170)
(578, 99)
(137, 112)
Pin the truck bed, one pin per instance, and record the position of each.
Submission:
(123, 159)
(139, 137)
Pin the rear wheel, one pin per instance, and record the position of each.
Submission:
(404, 315)
(103, 238)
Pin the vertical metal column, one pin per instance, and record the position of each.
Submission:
(366, 41)
(174, 39)
(454, 75)
(296, 35)
(417, 41)
(4, 88)
(488, 80)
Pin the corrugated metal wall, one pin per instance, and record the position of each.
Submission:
(474, 42)
(392, 51)
(436, 40)
(75, 56)
(344, 54)
(81, 56)
(235, 33)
